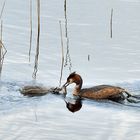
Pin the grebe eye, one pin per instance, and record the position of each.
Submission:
(68, 79)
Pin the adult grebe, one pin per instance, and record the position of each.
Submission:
(97, 92)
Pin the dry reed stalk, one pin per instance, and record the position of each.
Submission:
(1, 28)
(62, 54)
(1, 60)
(3, 51)
(0, 57)
(111, 22)
(68, 58)
(31, 30)
(65, 13)
(38, 41)
(88, 57)
(2, 9)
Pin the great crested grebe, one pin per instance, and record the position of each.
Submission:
(97, 92)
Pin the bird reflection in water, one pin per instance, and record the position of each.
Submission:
(73, 104)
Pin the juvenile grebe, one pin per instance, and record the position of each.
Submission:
(32, 91)
(97, 92)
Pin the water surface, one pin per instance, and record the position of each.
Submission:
(91, 52)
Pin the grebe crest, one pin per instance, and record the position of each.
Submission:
(74, 78)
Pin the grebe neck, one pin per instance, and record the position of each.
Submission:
(78, 86)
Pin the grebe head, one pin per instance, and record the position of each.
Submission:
(74, 78)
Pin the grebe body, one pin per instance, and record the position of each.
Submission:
(32, 91)
(97, 92)
(101, 92)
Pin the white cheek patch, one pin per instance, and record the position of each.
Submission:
(70, 81)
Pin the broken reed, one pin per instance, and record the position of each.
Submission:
(2, 9)
(31, 30)
(62, 54)
(38, 41)
(111, 22)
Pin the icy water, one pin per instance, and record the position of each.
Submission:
(90, 51)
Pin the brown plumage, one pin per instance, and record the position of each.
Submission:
(97, 92)
(32, 91)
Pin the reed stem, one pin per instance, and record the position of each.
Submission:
(62, 54)
(3, 50)
(111, 22)
(68, 57)
(1, 13)
(31, 30)
(38, 41)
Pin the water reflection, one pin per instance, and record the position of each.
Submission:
(73, 104)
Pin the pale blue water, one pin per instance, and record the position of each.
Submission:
(112, 61)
